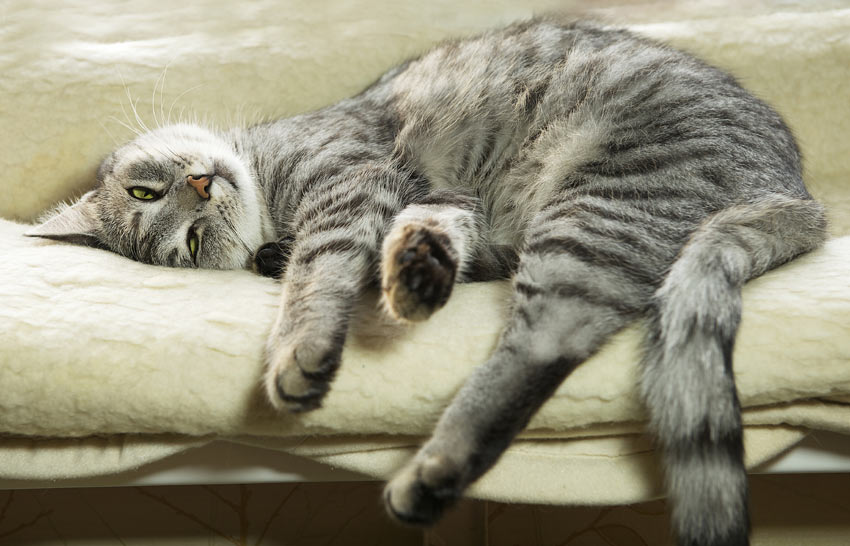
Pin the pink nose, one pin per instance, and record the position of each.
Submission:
(200, 183)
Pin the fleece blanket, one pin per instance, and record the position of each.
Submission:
(106, 364)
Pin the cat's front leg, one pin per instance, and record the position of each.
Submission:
(333, 259)
(432, 243)
(305, 345)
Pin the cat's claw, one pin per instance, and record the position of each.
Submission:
(421, 491)
(419, 273)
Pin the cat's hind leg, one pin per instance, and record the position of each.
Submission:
(433, 243)
(687, 378)
(573, 289)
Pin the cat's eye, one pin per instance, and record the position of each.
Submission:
(145, 194)
(192, 242)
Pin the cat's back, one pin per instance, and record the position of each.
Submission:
(531, 69)
(468, 107)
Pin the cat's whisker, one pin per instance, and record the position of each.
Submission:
(139, 119)
(115, 141)
(127, 126)
(128, 123)
(137, 126)
(133, 106)
(130, 101)
(181, 95)
(162, 116)
(235, 232)
(183, 114)
(156, 121)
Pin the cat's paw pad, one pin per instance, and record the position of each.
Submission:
(418, 273)
(421, 491)
(270, 259)
(298, 376)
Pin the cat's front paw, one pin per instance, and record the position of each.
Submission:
(418, 272)
(299, 371)
(270, 259)
(421, 491)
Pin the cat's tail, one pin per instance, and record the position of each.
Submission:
(687, 380)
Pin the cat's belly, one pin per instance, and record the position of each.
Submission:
(539, 173)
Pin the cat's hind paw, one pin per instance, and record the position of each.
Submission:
(421, 491)
(418, 272)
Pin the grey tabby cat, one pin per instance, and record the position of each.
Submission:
(610, 176)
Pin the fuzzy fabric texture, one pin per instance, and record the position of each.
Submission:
(92, 344)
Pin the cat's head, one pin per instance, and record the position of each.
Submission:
(177, 196)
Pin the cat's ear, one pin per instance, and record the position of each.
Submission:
(78, 223)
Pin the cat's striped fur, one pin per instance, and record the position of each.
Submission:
(614, 178)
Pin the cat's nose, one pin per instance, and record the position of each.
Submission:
(200, 183)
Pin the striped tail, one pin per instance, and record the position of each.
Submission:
(687, 382)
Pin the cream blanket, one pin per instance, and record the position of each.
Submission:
(106, 364)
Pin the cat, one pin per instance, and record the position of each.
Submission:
(611, 177)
